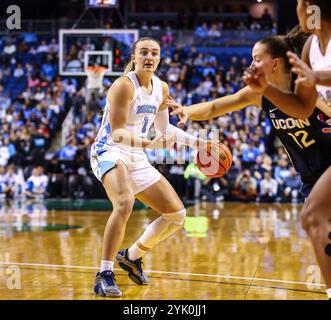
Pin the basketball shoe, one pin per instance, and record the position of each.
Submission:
(135, 272)
(105, 285)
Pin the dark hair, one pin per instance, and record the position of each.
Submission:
(130, 66)
(277, 46)
(297, 39)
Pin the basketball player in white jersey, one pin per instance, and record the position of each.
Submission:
(314, 80)
(135, 101)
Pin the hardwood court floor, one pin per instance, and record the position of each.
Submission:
(225, 251)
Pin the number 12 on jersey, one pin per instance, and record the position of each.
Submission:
(301, 139)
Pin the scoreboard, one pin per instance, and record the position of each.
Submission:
(102, 3)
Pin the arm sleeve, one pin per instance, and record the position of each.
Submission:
(162, 125)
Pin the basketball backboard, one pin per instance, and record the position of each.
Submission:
(79, 48)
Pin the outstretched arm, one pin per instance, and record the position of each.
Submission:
(212, 109)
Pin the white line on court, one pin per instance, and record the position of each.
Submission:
(165, 272)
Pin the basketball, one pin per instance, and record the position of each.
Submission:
(215, 161)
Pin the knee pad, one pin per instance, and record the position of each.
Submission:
(175, 217)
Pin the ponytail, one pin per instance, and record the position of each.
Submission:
(129, 67)
(277, 47)
(296, 40)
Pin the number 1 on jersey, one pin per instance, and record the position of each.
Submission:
(145, 125)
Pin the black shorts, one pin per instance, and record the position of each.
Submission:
(306, 189)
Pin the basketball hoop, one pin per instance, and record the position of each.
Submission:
(95, 76)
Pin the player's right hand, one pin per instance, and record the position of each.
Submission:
(179, 111)
(306, 76)
(162, 142)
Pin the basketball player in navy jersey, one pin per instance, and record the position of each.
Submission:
(304, 139)
(314, 80)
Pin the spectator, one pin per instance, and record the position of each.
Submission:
(214, 32)
(4, 187)
(292, 186)
(56, 178)
(68, 152)
(94, 103)
(48, 70)
(4, 154)
(80, 183)
(5, 102)
(36, 185)
(10, 48)
(18, 72)
(202, 31)
(199, 60)
(268, 188)
(245, 188)
(33, 81)
(194, 179)
(178, 92)
(39, 95)
(282, 170)
(168, 37)
(173, 74)
(242, 26)
(15, 182)
(53, 47)
(215, 190)
(43, 47)
(250, 154)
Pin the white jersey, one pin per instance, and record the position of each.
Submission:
(143, 110)
(320, 62)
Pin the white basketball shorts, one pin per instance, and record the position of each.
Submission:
(141, 173)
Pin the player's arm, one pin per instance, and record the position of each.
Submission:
(323, 78)
(119, 98)
(300, 104)
(161, 124)
(215, 108)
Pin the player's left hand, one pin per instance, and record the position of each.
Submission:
(179, 111)
(306, 76)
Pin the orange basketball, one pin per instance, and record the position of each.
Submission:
(215, 160)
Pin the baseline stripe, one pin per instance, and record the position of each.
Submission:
(166, 272)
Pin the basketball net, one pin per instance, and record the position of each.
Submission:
(95, 76)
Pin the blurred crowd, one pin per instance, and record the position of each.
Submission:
(34, 101)
(212, 33)
(190, 18)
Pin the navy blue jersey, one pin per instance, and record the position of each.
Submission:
(308, 147)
